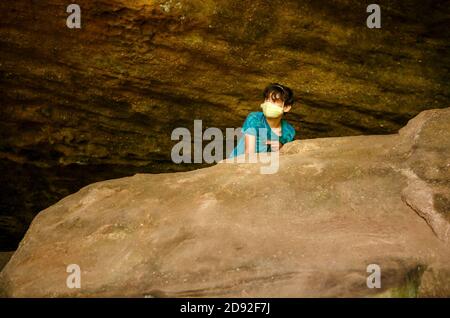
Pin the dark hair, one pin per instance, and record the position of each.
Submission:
(276, 92)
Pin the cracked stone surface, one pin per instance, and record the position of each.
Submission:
(335, 206)
(80, 106)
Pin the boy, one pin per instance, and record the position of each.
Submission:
(267, 131)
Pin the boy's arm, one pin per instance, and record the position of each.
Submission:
(250, 144)
(249, 129)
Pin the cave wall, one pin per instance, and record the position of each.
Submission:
(89, 104)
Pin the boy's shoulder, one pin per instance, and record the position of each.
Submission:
(256, 115)
(255, 119)
(290, 130)
(288, 125)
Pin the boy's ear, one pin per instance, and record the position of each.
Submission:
(287, 108)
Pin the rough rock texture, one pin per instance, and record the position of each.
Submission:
(79, 106)
(335, 206)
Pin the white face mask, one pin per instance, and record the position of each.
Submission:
(271, 110)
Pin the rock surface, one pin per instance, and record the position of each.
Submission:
(335, 206)
(80, 106)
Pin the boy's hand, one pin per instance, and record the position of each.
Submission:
(275, 145)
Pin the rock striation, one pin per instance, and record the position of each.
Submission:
(335, 206)
(100, 102)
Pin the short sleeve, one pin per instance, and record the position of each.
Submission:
(289, 134)
(251, 124)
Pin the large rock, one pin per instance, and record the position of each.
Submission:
(335, 206)
(80, 106)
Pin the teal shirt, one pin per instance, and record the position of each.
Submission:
(252, 124)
